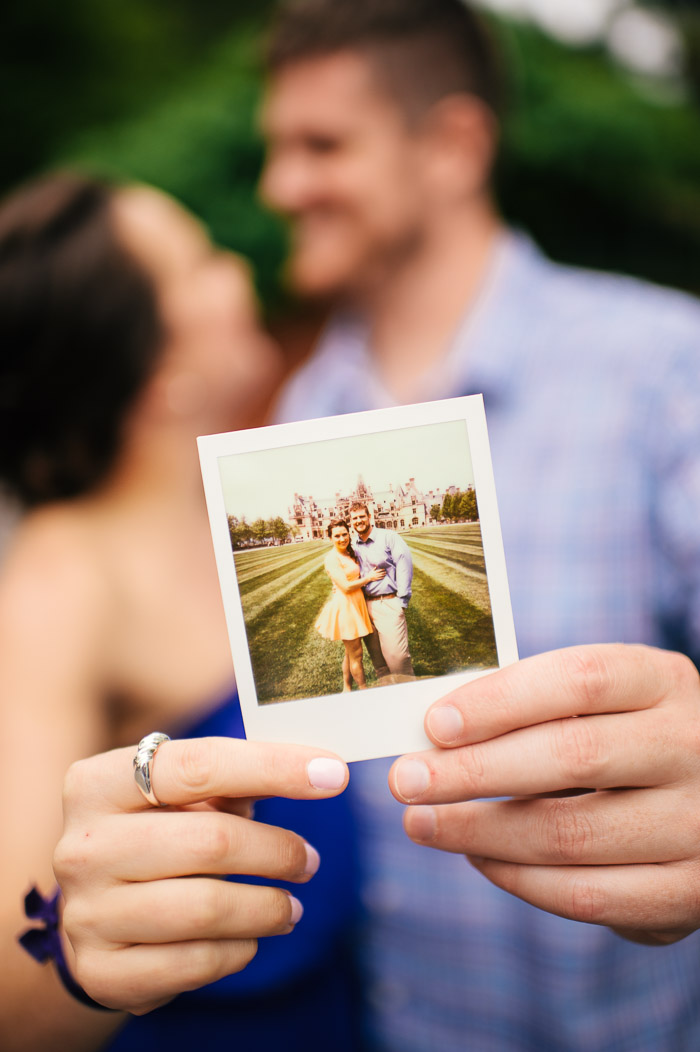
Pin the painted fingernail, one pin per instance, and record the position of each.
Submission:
(325, 773)
(421, 823)
(313, 860)
(297, 910)
(445, 723)
(412, 779)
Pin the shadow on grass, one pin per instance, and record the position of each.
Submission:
(446, 632)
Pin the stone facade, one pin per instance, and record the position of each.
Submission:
(402, 507)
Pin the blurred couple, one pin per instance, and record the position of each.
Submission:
(124, 334)
(371, 575)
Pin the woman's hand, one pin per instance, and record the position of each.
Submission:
(140, 932)
(376, 575)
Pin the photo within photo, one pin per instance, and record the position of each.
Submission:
(359, 561)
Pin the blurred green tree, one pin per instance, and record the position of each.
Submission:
(603, 170)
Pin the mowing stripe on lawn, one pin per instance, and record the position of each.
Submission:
(250, 582)
(290, 659)
(279, 587)
(471, 585)
(462, 530)
(447, 633)
(471, 565)
(456, 546)
(449, 620)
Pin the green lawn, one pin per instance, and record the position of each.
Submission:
(283, 589)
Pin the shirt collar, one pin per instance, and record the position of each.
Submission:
(485, 354)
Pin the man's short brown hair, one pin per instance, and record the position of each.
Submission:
(424, 50)
(358, 505)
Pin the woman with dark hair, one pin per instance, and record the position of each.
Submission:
(345, 615)
(123, 335)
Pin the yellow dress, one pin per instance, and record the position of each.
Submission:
(345, 614)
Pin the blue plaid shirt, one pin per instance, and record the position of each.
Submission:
(385, 550)
(592, 392)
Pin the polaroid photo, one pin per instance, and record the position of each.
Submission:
(362, 571)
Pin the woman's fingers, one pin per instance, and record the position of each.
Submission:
(584, 680)
(140, 978)
(169, 911)
(195, 769)
(604, 828)
(173, 844)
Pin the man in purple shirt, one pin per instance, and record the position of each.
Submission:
(387, 599)
(381, 118)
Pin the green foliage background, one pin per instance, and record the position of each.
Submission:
(602, 169)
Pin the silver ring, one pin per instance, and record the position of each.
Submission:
(145, 752)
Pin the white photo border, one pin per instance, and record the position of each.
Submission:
(383, 721)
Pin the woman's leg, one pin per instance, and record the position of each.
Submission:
(353, 653)
(347, 679)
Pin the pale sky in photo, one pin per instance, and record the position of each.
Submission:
(262, 484)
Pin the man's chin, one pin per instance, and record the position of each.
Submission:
(319, 281)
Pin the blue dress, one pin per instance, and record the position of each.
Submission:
(300, 986)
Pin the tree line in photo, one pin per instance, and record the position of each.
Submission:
(460, 506)
(262, 531)
(456, 507)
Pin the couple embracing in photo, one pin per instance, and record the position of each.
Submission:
(371, 575)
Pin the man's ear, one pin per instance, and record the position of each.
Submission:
(461, 136)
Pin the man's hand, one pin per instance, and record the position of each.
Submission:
(599, 747)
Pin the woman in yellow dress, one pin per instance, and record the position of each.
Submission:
(345, 615)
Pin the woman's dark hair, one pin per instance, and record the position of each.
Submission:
(341, 522)
(79, 337)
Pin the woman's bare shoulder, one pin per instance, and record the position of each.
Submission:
(52, 563)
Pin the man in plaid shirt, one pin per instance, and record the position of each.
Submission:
(381, 118)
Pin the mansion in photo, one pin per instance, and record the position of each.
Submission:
(401, 507)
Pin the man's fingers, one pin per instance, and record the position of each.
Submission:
(168, 911)
(641, 898)
(577, 681)
(195, 769)
(173, 844)
(593, 752)
(606, 828)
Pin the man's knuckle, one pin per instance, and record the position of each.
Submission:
(471, 769)
(579, 750)
(588, 674)
(587, 900)
(567, 834)
(684, 672)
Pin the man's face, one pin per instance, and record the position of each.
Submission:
(344, 166)
(360, 522)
